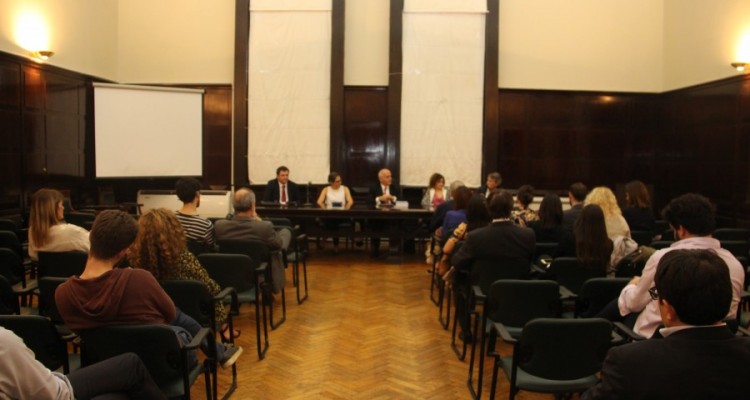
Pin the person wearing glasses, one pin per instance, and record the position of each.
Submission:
(691, 217)
(699, 357)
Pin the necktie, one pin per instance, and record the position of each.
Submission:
(283, 193)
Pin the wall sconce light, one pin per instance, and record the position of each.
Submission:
(740, 66)
(42, 55)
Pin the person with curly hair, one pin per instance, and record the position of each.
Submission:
(160, 248)
(522, 214)
(47, 228)
(605, 199)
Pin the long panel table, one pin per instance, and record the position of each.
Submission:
(396, 224)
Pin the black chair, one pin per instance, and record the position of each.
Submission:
(568, 272)
(39, 335)
(47, 307)
(10, 299)
(545, 249)
(197, 247)
(12, 268)
(553, 355)
(83, 219)
(643, 238)
(260, 254)
(299, 250)
(194, 299)
(738, 248)
(237, 271)
(722, 234)
(61, 264)
(512, 303)
(596, 293)
(167, 361)
(10, 240)
(482, 275)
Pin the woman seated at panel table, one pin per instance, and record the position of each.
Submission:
(436, 193)
(335, 196)
(47, 228)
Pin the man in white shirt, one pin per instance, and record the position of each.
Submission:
(691, 217)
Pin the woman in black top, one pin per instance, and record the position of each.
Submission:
(638, 212)
(549, 228)
(588, 242)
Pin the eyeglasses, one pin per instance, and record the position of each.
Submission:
(653, 293)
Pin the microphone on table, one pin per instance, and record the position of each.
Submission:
(307, 202)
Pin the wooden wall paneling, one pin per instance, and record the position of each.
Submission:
(240, 121)
(10, 135)
(365, 133)
(217, 135)
(338, 155)
(491, 96)
(395, 79)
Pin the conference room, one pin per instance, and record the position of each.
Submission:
(110, 100)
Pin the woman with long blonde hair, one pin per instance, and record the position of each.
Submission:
(605, 199)
(47, 228)
(160, 248)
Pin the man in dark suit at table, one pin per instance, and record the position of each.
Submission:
(281, 190)
(576, 196)
(386, 194)
(699, 357)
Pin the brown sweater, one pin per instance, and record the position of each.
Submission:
(118, 297)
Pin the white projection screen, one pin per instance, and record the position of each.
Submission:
(144, 131)
(442, 94)
(289, 93)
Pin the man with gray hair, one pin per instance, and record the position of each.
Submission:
(494, 179)
(246, 224)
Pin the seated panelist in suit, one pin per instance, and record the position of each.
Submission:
(699, 357)
(247, 225)
(281, 190)
(386, 194)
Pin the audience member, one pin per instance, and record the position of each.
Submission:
(281, 190)
(47, 229)
(691, 216)
(477, 216)
(247, 225)
(160, 249)
(638, 212)
(197, 228)
(23, 377)
(522, 214)
(604, 198)
(335, 196)
(501, 241)
(576, 196)
(494, 179)
(588, 242)
(548, 228)
(699, 357)
(457, 215)
(104, 295)
(436, 193)
(439, 215)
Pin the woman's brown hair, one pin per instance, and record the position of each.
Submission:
(43, 214)
(159, 244)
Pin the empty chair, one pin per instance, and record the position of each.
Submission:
(596, 293)
(260, 254)
(10, 299)
(12, 268)
(237, 271)
(39, 334)
(512, 303)
(739, 248)
(170, 364)
(732, 234)
(9, 239)
(568, 272)
(62, 264)
(545, 249)
(48, 308)
(553, 355)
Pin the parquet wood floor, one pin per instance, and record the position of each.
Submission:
(367, 331)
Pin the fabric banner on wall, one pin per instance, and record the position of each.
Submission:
(289, 89)
(442, 91)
